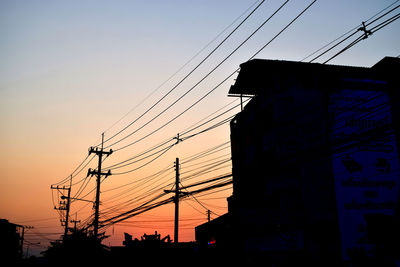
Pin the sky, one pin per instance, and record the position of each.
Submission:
(71, 70)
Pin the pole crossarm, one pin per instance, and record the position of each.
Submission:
(59, 187)
(92, 172)
(98, 152)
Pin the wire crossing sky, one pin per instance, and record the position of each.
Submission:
(70, 70)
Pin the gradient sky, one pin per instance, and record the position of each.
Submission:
(69, 70)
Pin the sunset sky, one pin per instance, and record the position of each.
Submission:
(71, 70)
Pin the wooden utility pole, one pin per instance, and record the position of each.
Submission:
(75, 222)
(98, 173)
(176, 200)
(64, 205)
(68, 207)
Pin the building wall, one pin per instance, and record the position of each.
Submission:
(283, 185)
(10, 241)
(316, 173)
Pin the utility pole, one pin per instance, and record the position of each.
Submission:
(98, 173)
(64, 205)
(22, 238)
(68, 206)
(209, 215)
(176, 200)
(75, 222)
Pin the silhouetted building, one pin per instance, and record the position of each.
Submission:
(153, 250)
(315, 163)
(147, 241)
(11, 241)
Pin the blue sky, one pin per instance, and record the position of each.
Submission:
(40, 36)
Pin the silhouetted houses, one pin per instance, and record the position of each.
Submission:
(315, 164)
(152, 249)
(147, 242)
(11, 241)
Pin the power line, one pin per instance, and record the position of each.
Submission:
(207, 152)
(184, 65)
(217, 116)
(354, 31)
(224, 121)
(230, 75)
(147, 194)
(185, 131)
(141, 187)
(235, 70)
(163, 151)
(73, 172)
(346, 33)
(182, 80)
(218, 124)
(156, 175)
(148, 206)
(291, 22)
(120, 165)
(287, 26)
(365, 35)
(215, 112)
(193, 87)
(212, 159)
(134, 212)
(139, 180)
(208, 168)
(152, 191)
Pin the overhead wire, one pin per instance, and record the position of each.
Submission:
(352, 32)
(146, 195)
(184, 65)
(156, 179)
(180, 82)
(152, 191)
(267, 20)
(202, 162)
(208, 116)
(66, 179)
(193, 87)
(345, 34)
(138, 180)
(73, 172)
(186, 131)
(257, 51)
(210, 128)
(213, 118)
(161, 152)
(148, 206)
(138, 194)
(364, 36)
(230, 75)
(206, 152)
(118, 217)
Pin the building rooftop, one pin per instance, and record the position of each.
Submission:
(261, 74)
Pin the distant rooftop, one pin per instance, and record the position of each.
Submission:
(261, 74)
